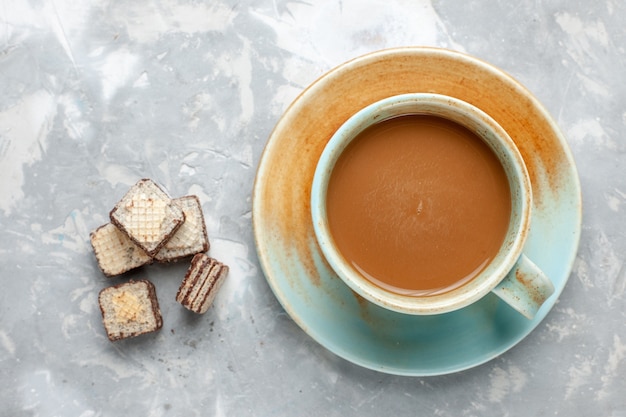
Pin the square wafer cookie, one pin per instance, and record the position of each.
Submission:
(191, 237)
(115, 252)
(202, 281)
(130, 309)
(147, 215)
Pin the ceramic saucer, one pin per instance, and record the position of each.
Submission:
(321, 304)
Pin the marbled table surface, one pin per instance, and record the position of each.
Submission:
(95, 95)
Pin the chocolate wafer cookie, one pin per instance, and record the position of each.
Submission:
(203, 280)
(130, 309)
(115, 252)
(191, 237)
(147, 215)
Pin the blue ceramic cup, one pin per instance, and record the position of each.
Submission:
(511, 275)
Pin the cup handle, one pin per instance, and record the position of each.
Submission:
(525, 288)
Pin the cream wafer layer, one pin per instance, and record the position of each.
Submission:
(203, 280)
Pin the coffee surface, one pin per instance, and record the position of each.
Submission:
(418, 204)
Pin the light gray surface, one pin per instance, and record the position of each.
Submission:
(95, 95)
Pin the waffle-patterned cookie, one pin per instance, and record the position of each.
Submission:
(147, 215)
(191, 237)
(130, 309)
(203, 280)
(115, 252)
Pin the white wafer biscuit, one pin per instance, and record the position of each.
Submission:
(130, 309)
(191, 237)
(203, 280)
(115, 252)
(147, 215)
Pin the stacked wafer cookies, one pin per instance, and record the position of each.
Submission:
(146, 226)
